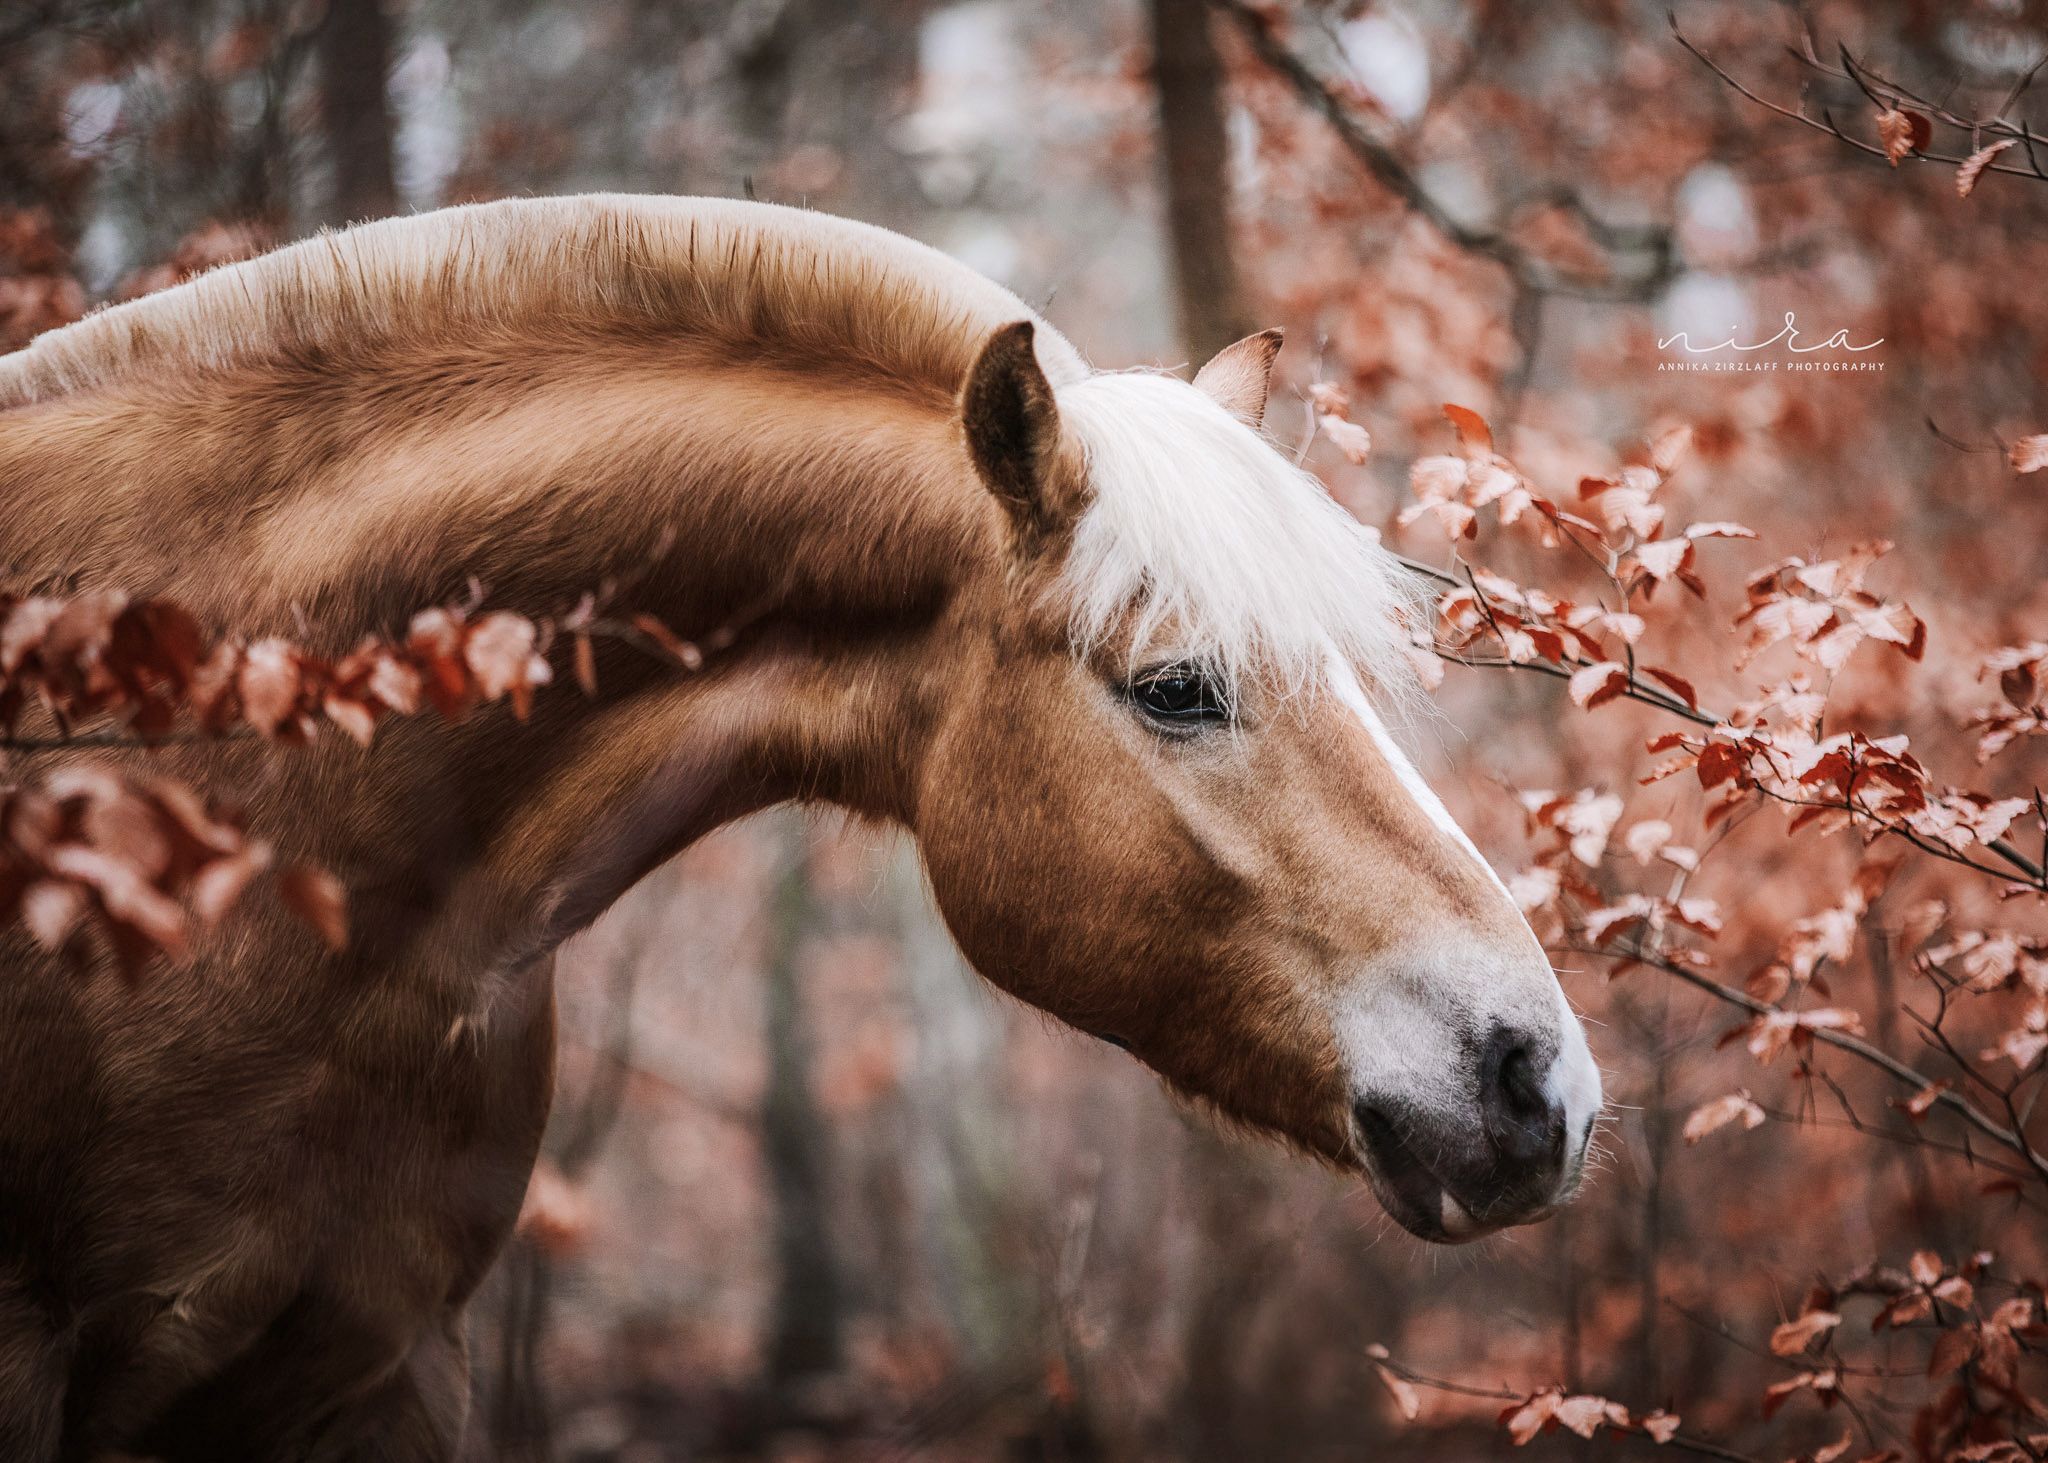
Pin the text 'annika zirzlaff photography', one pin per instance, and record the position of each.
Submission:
(1068, 731)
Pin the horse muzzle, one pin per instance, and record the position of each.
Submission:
(1509, 1151)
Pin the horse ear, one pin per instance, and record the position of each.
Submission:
(1013, 431)
(1238, 376)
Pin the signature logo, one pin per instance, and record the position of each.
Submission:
(1788, 336)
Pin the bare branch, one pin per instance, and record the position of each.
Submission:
(1654, 245)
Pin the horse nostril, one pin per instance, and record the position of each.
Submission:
(1518, 1083)
(1525, 1125)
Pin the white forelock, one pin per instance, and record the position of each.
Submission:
(1203, 540)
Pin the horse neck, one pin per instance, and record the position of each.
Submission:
(823, 520)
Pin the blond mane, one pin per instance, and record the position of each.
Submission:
(1198, 524)
(747, 273)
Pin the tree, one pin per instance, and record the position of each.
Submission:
(1194, 154)
(354, 46)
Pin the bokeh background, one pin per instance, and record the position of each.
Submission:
(812, 1191)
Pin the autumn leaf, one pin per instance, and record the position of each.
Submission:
(1671, 680)
(1584, 1414)
(499, 650)
(1902, 131)
(1645, 840)
(1797, 1335)
(1719, 530)
(1824, 1385)
(1524, 1420)
(1329, 399)
(1922, 1102)
(316, 897)
(1407, 1401)
(557, 1214)
(1710, 1117)
(1668, 449)
(681, 651)
(268, 684)
(1661, 1426)
(1951, 1350)
(1973, 166)
(1475, 438)
(217, 886)
(1663, 558)
(1349, 438)
(1596, 684)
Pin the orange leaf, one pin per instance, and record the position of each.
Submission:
(1676, 683)
(316, 897)
(1474, 436)
(681, 651)
(1902, 131)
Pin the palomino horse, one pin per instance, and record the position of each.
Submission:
(1111, 660)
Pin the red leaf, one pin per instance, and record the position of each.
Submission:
(1475, 438)
(1902, 131)
(1594, 684)
(1676, 683)
(586, 665)
(682, 652)
(1951, 1350)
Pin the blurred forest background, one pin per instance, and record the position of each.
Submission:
(811, 1190)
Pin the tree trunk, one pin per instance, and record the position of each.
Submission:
(1195, 156)
(355, 64)
(804, 1339)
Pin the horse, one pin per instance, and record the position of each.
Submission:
(1123, 672)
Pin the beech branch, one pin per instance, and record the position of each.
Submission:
(1653, 247)
(1890, 96)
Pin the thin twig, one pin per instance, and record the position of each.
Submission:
(1392, 173)
(2005, 1137)
(1826, 123)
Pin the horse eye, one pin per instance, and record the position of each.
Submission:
(1179, 696)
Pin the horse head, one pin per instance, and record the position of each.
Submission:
(1159, 800)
